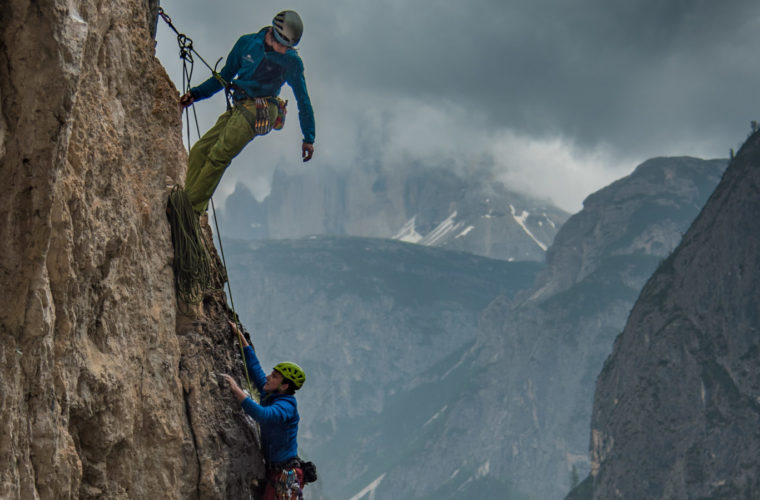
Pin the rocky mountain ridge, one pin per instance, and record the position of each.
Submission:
(422, 205)
(677, 404)
(536, 356)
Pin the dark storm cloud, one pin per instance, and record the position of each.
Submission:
(625, 73)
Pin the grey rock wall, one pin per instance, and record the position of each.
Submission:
(677, 404)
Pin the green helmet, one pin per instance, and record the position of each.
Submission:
(292, 373)
(287, 28)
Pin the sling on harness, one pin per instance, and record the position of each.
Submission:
(260, 122)
(285, 481)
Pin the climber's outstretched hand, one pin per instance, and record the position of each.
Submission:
(186, 100)
(239, 334)
(236, 390)
(307, 151)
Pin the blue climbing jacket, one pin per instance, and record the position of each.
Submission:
(261, 73)
(277, 415)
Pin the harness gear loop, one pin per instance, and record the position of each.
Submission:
(259, 121)
(287, 486)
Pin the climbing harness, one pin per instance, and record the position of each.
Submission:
(288, 487)
(259, 121)
(259, 118)
(194, 262)
(286, 480)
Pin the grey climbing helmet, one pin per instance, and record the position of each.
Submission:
(287, 28)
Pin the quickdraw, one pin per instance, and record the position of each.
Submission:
(287, 486)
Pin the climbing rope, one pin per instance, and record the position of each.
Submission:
(192, 258)
(232, 302)
(221, 253)
(192, 263)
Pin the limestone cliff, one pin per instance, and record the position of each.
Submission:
(102, 392)
(677, 404)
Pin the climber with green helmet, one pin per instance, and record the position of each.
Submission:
(256, 69)
(277, 415)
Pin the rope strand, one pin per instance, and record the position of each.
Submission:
(229, 292)
(192, 261)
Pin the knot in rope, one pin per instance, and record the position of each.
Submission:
(185, 47)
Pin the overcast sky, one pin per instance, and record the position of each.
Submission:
(559, 97)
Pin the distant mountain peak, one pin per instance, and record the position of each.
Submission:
(425, 206)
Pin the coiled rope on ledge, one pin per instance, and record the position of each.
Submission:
(192, 263)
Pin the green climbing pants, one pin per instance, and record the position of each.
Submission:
(212, 154)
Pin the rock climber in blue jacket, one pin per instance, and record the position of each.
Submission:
(277, 415)
(256, 68)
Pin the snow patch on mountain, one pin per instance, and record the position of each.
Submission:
(449, 225)
(483, 470)
(408, 232)
(437, 414)
(368, 493)
(465, 232)
(520, 219)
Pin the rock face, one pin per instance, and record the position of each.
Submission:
(642, 214)
(99, 396)
(677, 404)
(427, 206)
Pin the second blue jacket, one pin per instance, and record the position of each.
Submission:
(261, 73)
(277, 415)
